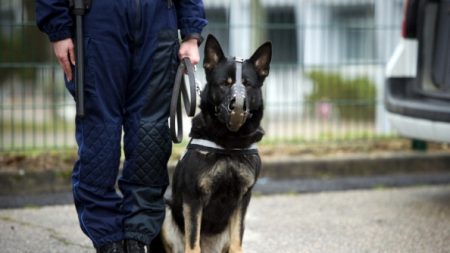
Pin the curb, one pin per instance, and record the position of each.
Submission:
(24, 183)
(357, 165)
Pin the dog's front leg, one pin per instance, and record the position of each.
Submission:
(192, 212)
(236, 231)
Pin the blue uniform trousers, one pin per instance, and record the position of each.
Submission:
(131, 49)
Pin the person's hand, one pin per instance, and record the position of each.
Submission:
(65, 53)
(189, 48)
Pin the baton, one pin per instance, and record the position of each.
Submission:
(79, 8)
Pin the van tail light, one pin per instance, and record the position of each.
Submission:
(409, 24)
(404, 24)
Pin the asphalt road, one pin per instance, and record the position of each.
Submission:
(413, 219)
(267, 186)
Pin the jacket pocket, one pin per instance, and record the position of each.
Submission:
(165, 63)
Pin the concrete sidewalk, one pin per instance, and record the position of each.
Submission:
(385, 220)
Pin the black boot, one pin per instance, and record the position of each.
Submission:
(133, 246)
(114, 247)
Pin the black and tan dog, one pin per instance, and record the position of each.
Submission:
(212, 182)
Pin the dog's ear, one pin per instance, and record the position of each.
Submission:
(213, 53)
(261, 59)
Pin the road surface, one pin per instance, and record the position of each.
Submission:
(413, 219)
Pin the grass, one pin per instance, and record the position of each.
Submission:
(331, 137)
(59, 135)
(62, 159)
(51, 126)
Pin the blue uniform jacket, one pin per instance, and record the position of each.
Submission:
(53, 17)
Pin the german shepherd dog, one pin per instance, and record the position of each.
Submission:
(212, 183)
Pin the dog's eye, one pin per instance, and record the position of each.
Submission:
(246, 82)
(229, 81)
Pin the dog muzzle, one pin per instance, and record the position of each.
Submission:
(234, 109)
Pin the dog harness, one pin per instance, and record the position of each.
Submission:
(209, 146)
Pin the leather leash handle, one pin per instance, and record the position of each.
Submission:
(189, 99)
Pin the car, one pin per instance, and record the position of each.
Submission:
(417, 88)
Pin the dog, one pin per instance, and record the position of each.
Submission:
(213, 181)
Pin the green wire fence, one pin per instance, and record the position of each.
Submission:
(325, 84)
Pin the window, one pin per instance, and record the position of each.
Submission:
(357, 34)
(281, 30)
(218, 26)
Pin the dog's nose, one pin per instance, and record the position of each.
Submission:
(232, 104)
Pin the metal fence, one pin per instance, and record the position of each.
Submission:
(326, 79)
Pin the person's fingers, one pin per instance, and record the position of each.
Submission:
(189, 49)
(192, 57)
(195, 58)
(182, 54)
(67, 68)
(64, 52)
(63, 60)
(72, 54)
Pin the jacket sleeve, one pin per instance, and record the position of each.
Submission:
(53, 17)
(191, 17)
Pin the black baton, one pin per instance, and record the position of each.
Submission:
(79, 8)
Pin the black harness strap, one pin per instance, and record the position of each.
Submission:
(189, 99)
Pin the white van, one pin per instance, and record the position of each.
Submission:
(417, 94)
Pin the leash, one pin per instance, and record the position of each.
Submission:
(189, 99)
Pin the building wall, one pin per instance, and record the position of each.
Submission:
(325, 30)
(351, 37)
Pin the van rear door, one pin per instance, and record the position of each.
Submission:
(424, 93)
(441, 55)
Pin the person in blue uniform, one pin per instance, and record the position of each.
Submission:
(132, 51)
